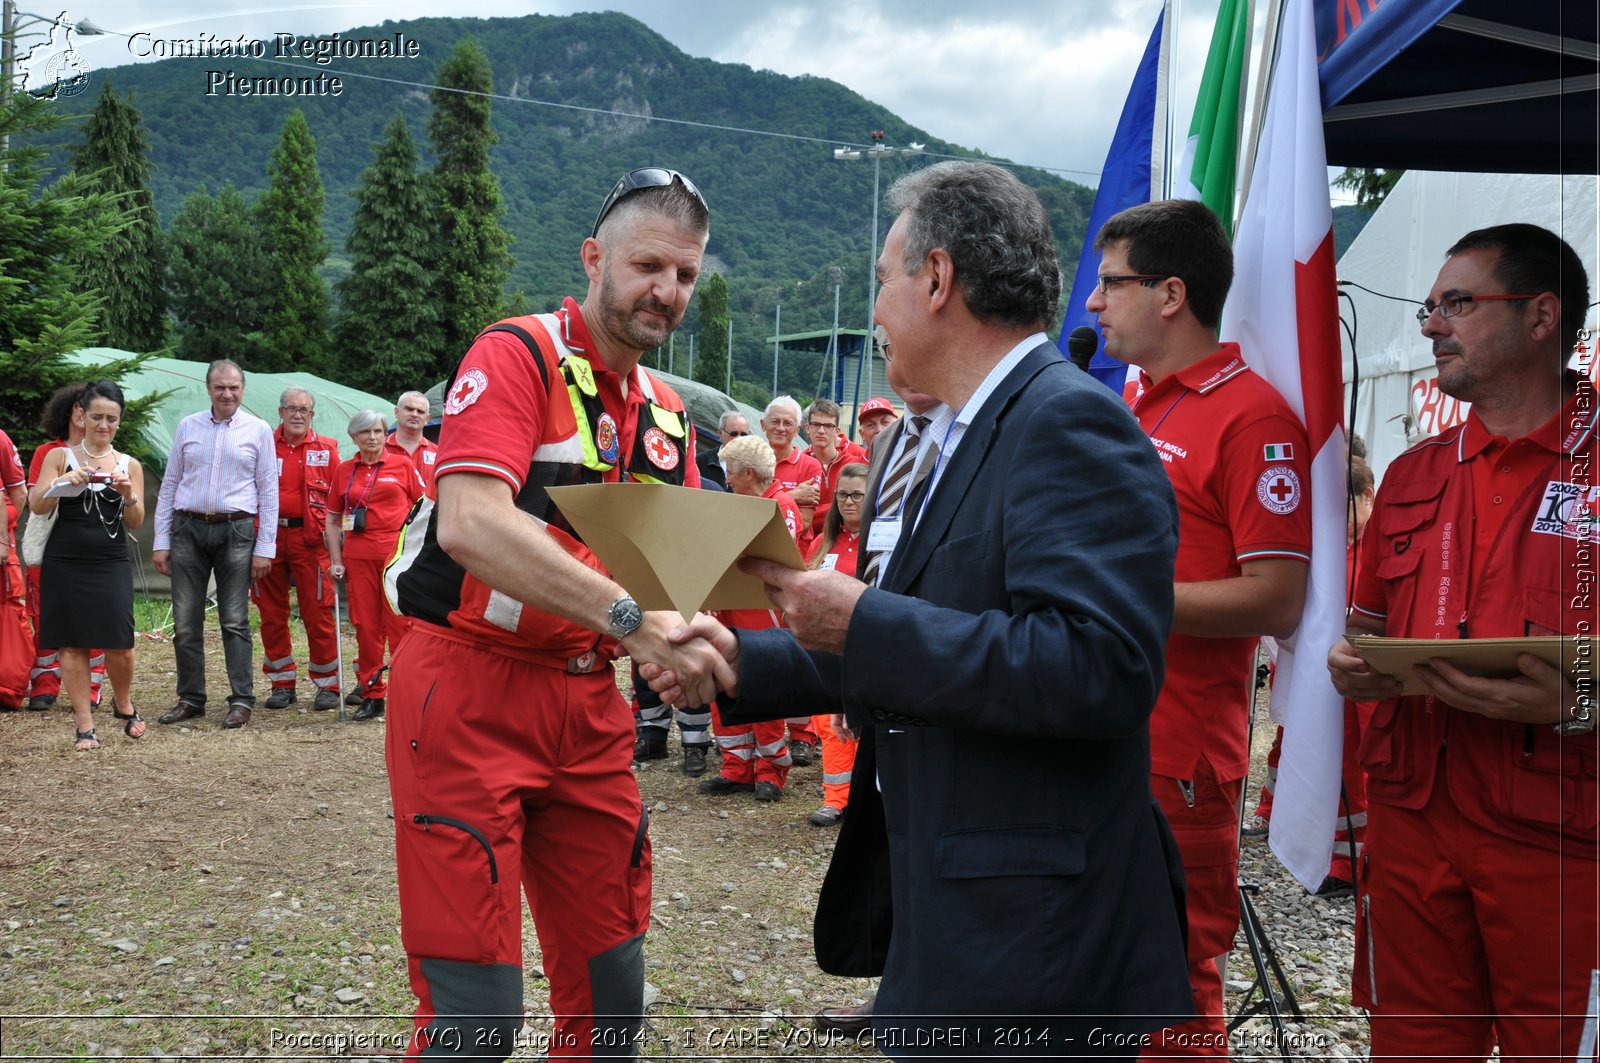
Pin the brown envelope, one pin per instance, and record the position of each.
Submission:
(1487, 657)
(678, 547)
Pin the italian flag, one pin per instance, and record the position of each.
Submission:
(1209, 169)
(1283, 312)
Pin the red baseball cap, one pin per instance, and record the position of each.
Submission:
(872, 406)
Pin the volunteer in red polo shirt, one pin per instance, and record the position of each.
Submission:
(306, 462)
(373, 494)
(799, 475)
(507, 744)
(1476, 925)
(1237, 459)
(832, 451)
(410, 418)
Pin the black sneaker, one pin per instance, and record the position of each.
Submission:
(371, 709)
(353, 698)
(801, 753)
(327, 700)
(721, 784)
(41, 702)
(280, 698)
(650, 748)
(1333, 888)
(694, 761)
(766, 791)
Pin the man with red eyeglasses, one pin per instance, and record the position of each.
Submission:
(1476, 922)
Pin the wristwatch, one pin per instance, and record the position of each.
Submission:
(625, 618)
(1582, 721)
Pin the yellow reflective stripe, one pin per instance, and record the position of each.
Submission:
(667, 420)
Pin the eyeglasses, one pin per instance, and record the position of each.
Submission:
(292, 410)
(850, 496)
(1109, 280)
(1456, 305)
(773, 422)
(644, 177)
(822, 426)
(734, 435)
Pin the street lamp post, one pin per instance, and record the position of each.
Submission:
(876, 153)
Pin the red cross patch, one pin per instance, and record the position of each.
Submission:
(659, 449)
(1278, 489)
(468, 388)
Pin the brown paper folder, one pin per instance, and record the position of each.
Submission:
(1496, 658)
(678, 547)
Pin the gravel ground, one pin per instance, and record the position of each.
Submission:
(205, 893)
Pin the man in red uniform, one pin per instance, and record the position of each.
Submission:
(756, 757)
(1478, 898)
(410, 418)
(832, 451)
(306, 462)
(508, 745)
(1236, 456)
(875, 416)
(16, 639)
(798, 474)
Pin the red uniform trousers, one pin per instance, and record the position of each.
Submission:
(1477, 938)
(376, 623)
(838, 758)
(801, 730)
(753, 752)
(306, 566)
(1204, 817)
(44, 679)
(16, 637)
(509, 774)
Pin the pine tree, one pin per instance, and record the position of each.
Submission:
(474, 259)
(46, 311)
(389, 313)
(711, 348)
(126, 270)
(215, 281)
(296, 326)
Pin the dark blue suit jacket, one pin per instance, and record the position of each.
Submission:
(1006, 672)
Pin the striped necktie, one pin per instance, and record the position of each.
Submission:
(894, 489)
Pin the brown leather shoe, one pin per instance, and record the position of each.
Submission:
(183, 710)
(238, 715)
(851, 1021)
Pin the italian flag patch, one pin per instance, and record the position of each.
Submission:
(1277, 452)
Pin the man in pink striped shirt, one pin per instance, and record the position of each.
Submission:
(217, 514)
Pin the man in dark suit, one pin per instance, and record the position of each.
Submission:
(1002, 673)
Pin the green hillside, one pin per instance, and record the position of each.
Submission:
(783, 210)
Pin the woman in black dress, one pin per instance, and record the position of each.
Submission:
(86, 581)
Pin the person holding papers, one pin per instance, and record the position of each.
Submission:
(1476, 923)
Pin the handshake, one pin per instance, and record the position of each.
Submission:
(689, 664)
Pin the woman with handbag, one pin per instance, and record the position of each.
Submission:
(93, 495)
(373, 493)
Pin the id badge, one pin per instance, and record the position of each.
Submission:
(883, 536)
(348, 522)
(829, 563)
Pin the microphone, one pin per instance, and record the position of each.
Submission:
(1082, 342)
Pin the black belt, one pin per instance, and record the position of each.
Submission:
(291, 522)
(217, 518)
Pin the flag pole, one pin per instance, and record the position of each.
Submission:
(1269, 53)
(1161, 138)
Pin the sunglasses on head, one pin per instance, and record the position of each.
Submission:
(644, 177)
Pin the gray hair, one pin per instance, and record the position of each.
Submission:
(291, 391)
(411, 395)
(782, 402)
(673, 202)
(996, 233)
(365, 419)
(750, 452)
(222, 364)
(722, 422)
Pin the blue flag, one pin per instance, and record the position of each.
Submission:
(1124, 182)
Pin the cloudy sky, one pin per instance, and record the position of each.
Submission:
(1040, 82)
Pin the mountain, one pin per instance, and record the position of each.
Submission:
(569, 93)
